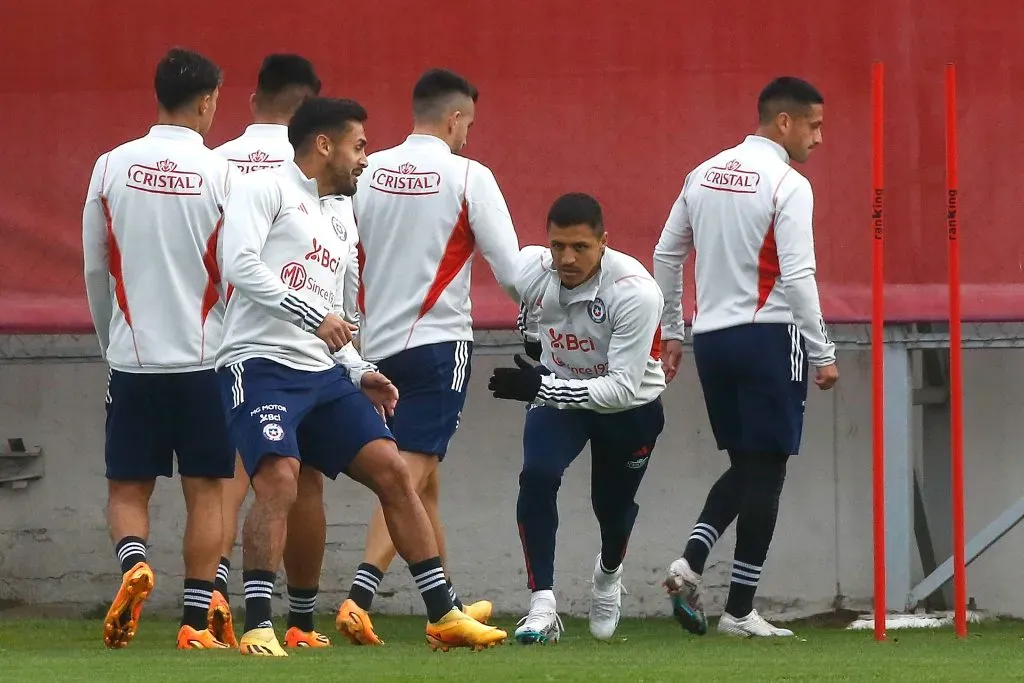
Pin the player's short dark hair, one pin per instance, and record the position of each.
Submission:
(280, 72)
(786, 94)
(318, 115)
(576, 208)
(182, 76)
(433, 89)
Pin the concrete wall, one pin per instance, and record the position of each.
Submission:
(54, 546)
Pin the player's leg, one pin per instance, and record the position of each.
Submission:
(347, 435)
(621, 445)
(551, 441)
(266, 402)
(137, 451)
(432, 381)
(430, 496)
(771, 407)
(304, 558)
(235, 491)
(206, 458)
(714, 357)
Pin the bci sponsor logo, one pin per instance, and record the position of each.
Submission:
(164, 178)
(406, 180)
(731, 178)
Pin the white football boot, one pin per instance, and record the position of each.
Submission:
(542, 624)
(683, 586)
(605, 601)
(752, 625)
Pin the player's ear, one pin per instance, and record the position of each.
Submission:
(252, 104)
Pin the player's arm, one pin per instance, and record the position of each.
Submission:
(350, 295)
(794, 240)
(674, 245)
(97, 256)
(491, 223)
(635, 321)
(248, 217)
(348, 356)
(529, 265)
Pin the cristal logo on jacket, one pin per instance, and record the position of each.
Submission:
(256, 161)
(731, 178)
(163, 177)
(406, 180)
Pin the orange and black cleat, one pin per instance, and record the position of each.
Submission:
(296, 637)
(122, 620)
(191, 639)
(354, 623)
(220, 622)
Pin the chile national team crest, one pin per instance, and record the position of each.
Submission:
(339, 228)
(597, 311)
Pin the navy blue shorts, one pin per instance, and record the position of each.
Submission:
(620, 443)
(151, 418)
(432, 381)
(318, 418)
(754, 379)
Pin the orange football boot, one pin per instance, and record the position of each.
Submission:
(220, 621)
(191, 639)
(296, 637)
(122, 620)
(354, 623)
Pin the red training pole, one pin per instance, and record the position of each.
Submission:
(955, 368)
(877, 341)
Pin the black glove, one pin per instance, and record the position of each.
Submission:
(533, 349)
(519, 384)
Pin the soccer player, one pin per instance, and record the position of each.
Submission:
(747, 214)
(424, 211)
(595, 313)
(150, 231)
(291, 379)
(283, 83)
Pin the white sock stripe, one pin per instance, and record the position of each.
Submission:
(744, 582)
(703, 535)
(131, 548)
(748, 567)
(429, 576)
(424, 588)
(298, 609)
(708, 529)
(365, 586)
(259, 582)
(201, 592)
(367, 577)
(259, 596)
(200, 604)
(744, 574)
(703, 540)
(222, 573)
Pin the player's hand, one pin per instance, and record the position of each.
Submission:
(826, 376)
(671, 356)
(335, 332)
(518, 384)
(533, 349)
(380, 391)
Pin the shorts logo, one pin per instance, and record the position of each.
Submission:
(273, 432)
(596, 309)
(339, 228)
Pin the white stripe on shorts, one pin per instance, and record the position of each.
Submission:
(796, 355)
(461, 365)
(237, 392)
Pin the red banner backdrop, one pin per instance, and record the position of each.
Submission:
(616, 99)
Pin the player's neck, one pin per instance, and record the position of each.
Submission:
(168, 119)
(772, 134)
(432, 130)
(270, 119)
(312, 170)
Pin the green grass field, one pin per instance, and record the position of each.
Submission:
(643, 651)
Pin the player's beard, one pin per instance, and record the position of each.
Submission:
(345, 182)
